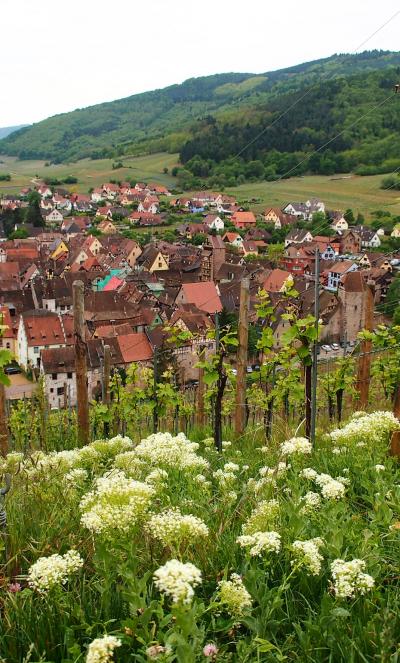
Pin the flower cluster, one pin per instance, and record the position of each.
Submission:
(260, 542)
(310, 502)
(75, 478)
(101, 650)
(331, 489)
(53, 571)
(375, 428)
(306, 554)
(298, 446)
(166, 451)
(173, 528)
(349, 578)
(176, 579)
(234, 596)
(265, 514)
(116, 504)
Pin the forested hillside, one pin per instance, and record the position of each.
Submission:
(229, 108)
(350, 123)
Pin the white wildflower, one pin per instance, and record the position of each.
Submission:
(307, 555)
(296, 446)
(166, 451)
(349, 578)
(177, 580)
(379, 468)
(234, 596)
(374, 427)
(173, 528)
(264, 515)
(116, 504)
(101, 650)
(76, 477)
(310, 502)
(308, 473)
(53, 571)
(260, 542)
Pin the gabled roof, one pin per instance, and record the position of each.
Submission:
(134, 347)
(275, 280)
(204, 295)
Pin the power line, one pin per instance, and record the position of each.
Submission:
(308, 91)
(328, 142)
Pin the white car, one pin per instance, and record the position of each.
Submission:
(327, 348)
(335, 346)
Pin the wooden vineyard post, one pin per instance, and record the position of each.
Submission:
(81, 364)
(106, 385)
(200, 393)
(240, 410)
(106, 374)
(364, 362)
(395, 441)
(4, 447)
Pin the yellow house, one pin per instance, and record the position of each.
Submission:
(152, 260)
(57, 248)
(396, 231)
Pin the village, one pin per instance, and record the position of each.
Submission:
(181, 273)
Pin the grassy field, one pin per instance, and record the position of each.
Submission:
(89, 173)
(362, 194)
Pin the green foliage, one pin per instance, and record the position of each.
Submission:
(234, 108)
(5, 177)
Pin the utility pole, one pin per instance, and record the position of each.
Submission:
(364, 361)
(4, 446)
(81, 363)
(315, 352)
(241, 365)
(200, 392)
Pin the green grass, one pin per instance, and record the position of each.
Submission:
(90, 173)
(293, 613)
(362, 194)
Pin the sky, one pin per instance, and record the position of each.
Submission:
(58, 56)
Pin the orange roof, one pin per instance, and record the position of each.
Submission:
(44, 329)
(204, 295)
(134, 347)
(244, 217)
(275, 280)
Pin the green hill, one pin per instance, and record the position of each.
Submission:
(7, 131)
(172, 118)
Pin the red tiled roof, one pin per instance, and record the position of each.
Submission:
(275, 280)
(113, 284)
(134, 347)
(204, 295)
(243, 217)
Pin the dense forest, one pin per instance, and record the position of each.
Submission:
(231, 127)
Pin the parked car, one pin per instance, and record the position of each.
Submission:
(12, 369)
(327, 348)
(335, 346)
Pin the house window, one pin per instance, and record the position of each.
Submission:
(69, 376)
(54, 376)
(36, 350)
(60, 391)
(51, 390)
